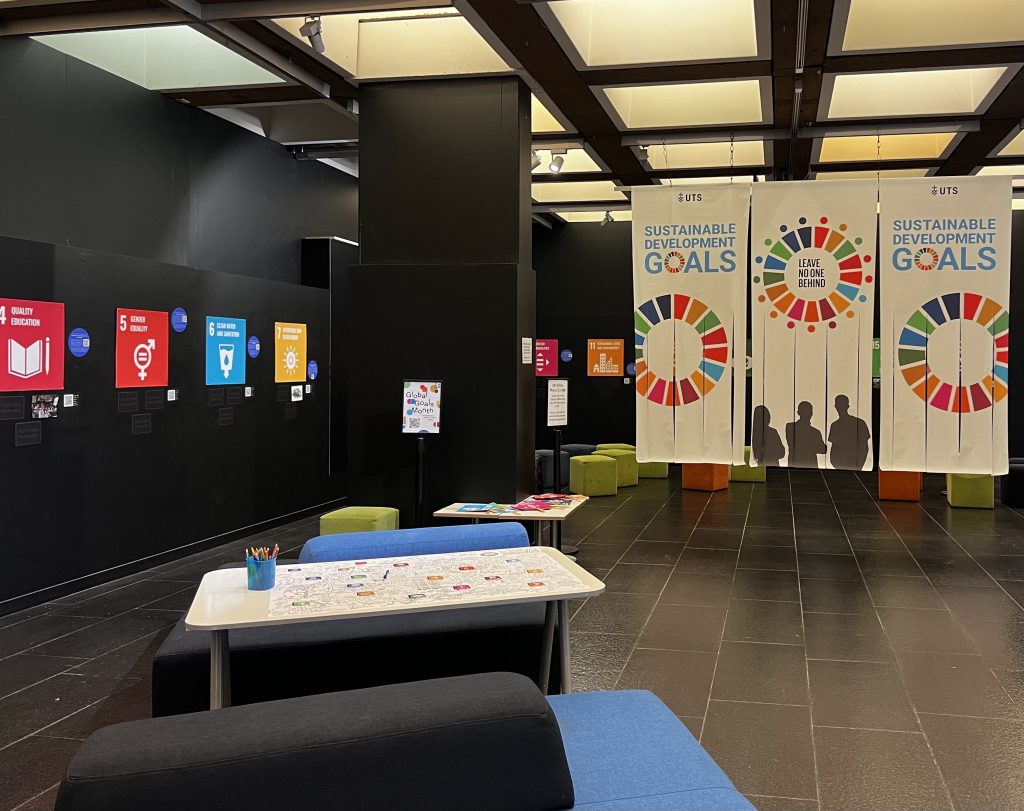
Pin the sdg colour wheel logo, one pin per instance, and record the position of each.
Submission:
(812, 274)
(707, 341)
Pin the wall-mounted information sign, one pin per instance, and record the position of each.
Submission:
(141, 349)
(225, 350)
(421, 407)
(289, 352)
(31, 342)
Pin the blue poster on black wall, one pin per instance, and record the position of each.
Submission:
(225, 350)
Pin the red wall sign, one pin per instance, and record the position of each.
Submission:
(141, 349)
(32, 343)
(546, 357)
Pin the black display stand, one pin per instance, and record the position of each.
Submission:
(556, 526)
(421, 465)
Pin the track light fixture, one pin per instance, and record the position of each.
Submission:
(556, 163)
(312, 30)
(534, 159)
(607, 219)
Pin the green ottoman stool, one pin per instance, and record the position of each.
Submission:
(625, 462)
(970, 490)
(652, 470)
(616, 446)
(593, 475)
(358, 519)
(744, 473)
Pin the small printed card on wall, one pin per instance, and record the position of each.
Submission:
(421, 407)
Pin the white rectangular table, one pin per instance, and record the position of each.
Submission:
(312, 592)
(555, 515)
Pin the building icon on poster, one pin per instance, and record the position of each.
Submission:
(604, 366)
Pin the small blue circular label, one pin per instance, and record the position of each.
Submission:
(179, 319)
(631, 369)
(79, 342)
(253, 346)
(565, 355)
(312, 370)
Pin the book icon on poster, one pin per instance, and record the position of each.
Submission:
(28, 361)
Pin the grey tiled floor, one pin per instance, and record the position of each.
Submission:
(830, 652)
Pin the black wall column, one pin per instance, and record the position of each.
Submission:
(444, 291)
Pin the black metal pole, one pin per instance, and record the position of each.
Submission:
(421, 461)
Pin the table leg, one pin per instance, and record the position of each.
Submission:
(220, 671)
(547, 646)
(563, 638)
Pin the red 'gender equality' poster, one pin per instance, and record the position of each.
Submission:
(141, 349)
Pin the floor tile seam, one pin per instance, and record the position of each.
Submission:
(54, 639)
(918, 733)
(36, 683)
(1015, 721)
(721, 638)
(35, 797)
(759, 703)
(899, 669)
(803, 631)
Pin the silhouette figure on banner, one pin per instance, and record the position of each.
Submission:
(804, 440)
(765, 442)
(849, 437)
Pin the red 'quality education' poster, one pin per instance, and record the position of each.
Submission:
(32, 342)
(141, 349)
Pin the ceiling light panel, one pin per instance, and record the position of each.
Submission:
(693, 156)
(1015, 147)
(955, 91)
(710, 181)
(919, 146)
(884, 25)
(594, 216)
(1015, 171)
(403, 44)
(173, 57)
(692, 104)
(576, 191)
(869, 175)
(542, 119)
(576, 160)
(616, 33)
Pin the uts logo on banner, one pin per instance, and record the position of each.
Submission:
(689, 291)
(945, 325)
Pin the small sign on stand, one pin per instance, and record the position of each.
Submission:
(558, 417)
(421, 415)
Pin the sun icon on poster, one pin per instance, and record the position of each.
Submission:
(291, 358)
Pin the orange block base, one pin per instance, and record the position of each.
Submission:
(899, 485)
(705, 477)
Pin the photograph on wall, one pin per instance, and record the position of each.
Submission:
(44, 406)
(689, 298)
(289, 352)
(140, 349)
(945, 342)
(225, 351)
(32, 341)
(812, 311)
(421, 407)
(606, 357)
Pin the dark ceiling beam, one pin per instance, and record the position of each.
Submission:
(916, 60)
(523, 33)
(242, 96)
(84, 16)
(784, 24)
(872, 166)
(819, 21)
(656, 74)
(997, 122)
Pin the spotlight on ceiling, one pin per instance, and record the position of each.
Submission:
(312, 30)
(556, 163)
(607, 219)
(534, 159)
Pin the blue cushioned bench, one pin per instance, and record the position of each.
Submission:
(487, 742)
(308, 658)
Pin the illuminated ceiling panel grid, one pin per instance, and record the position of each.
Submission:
(920, 146)
(705, 181)
(890, 25)
(956, 91)
(607, 33)
(1015, 171)
(595, 216)
(720, 153)
(693, 104)
(542, 119)
(1015, 147)
(576, 191)
(868, 175)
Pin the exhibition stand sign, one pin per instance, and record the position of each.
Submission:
(546, 357)
(421, 407)
(140, 349)
(690, 296)
(605, 357)
(812, 285)
(289, 352)
(225, 351)
(945, 253)
(32, 337)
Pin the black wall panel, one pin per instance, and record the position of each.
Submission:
(92, 161)
(93, 496)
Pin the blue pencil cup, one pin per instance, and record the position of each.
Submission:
(262, 574)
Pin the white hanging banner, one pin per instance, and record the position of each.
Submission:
(689, 294)
(945, 296)
(812, 289)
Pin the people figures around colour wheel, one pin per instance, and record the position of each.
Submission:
(765, 443)
(849, 437)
